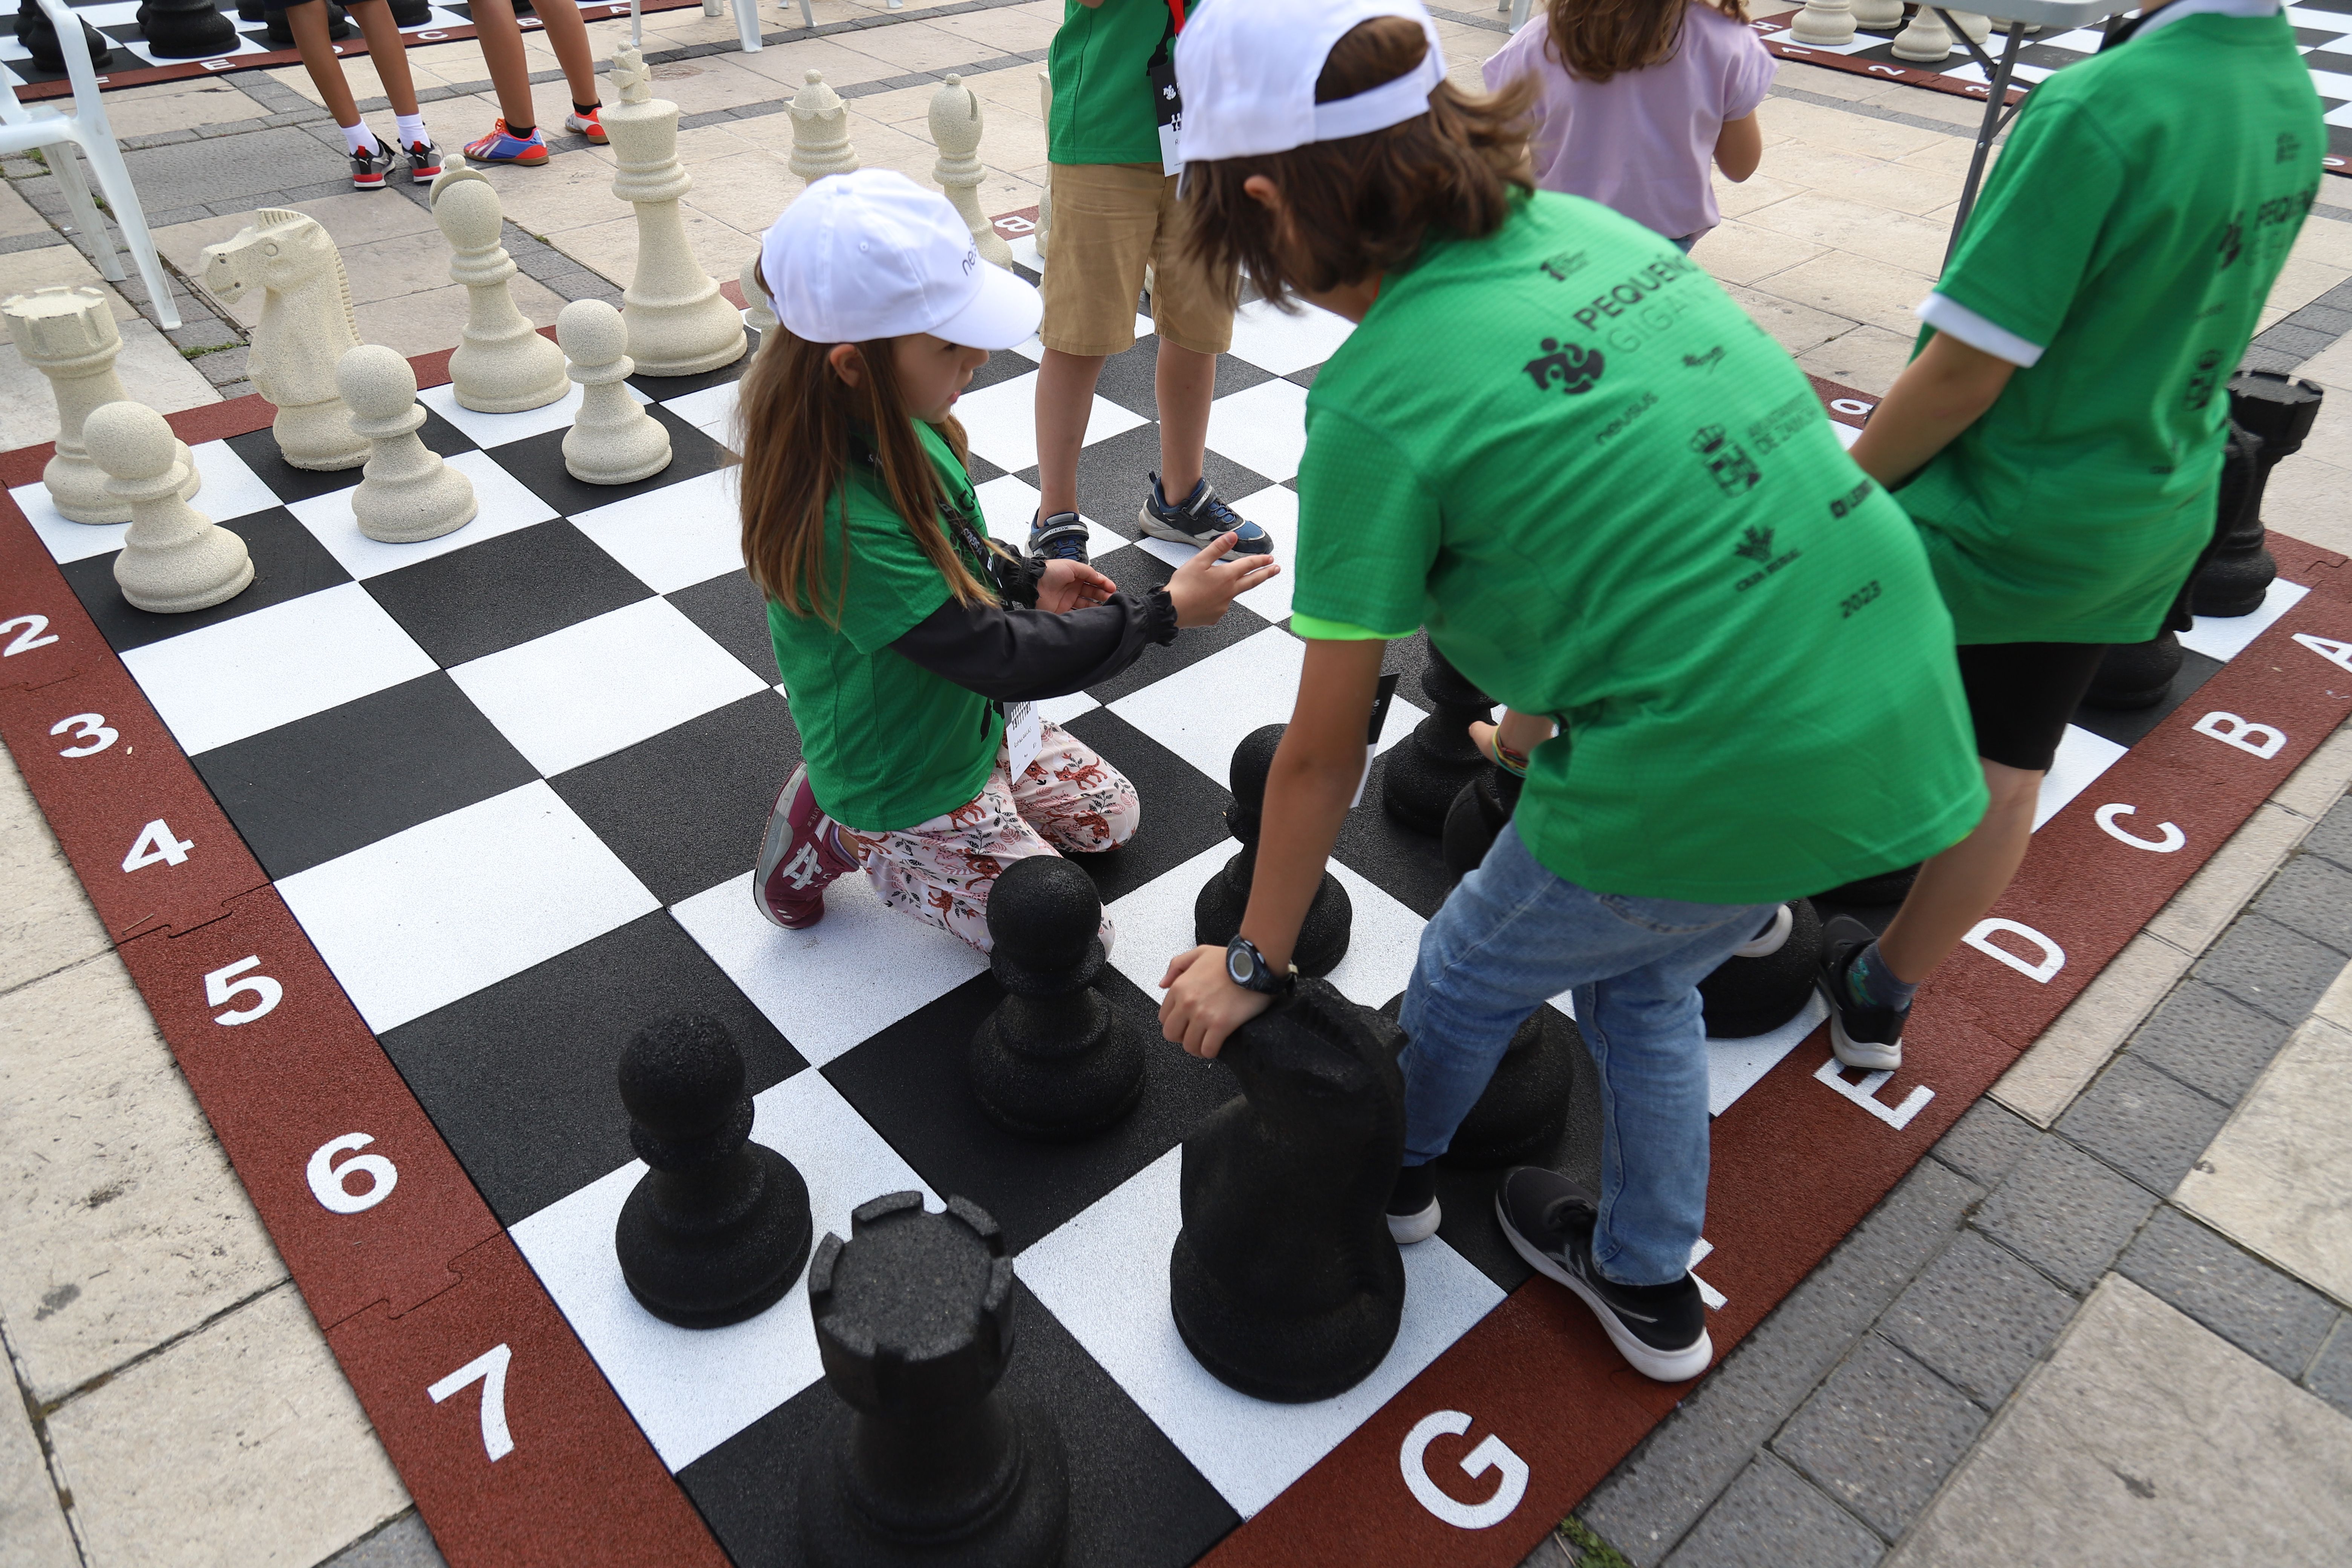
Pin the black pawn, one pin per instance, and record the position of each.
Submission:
(1053, 1061)
(338, 26)
(1524, 1109)
(2277, 412)
(1428, 768)
(1217, 913)
(186, 29)
(1885, 888)
(2236, 569)
(914, 1322)
(411, 13)
(718, 1230)
(1747, 996)
(250, 11)
(1476, 819)
(1283, 1281)
(39, 37)
(2136, 675)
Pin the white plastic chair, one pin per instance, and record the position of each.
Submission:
(1519, 10)
(747, 21)
(23, 128)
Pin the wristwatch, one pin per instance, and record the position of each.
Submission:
(1246, 967)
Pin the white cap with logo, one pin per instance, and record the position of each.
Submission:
(871, 254)
(1247, 72)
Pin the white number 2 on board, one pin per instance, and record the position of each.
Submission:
(90, 729)
(157, 844)
(489, 1369)
(266, 993)
(29, 637)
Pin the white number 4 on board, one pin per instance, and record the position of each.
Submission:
(157, 844)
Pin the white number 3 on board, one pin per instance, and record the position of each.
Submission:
(157, 844)
(90, 729)
(489, 1369)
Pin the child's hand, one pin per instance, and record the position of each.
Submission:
(1066, 585)
(1204, 585)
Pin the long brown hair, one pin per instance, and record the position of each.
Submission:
(1363, 204)
(795, 421)
(1595, 39)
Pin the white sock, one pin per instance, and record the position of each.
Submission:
(412, 129)
(358, 138)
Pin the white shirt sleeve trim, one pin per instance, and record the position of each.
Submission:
(1948, 315)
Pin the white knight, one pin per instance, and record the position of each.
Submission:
(306, 327)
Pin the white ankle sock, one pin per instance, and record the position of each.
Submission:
(412, 128)
(358, 138)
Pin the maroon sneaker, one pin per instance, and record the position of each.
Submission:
(800, 857)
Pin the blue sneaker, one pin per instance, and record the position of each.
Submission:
(1061, 537)
(503, 146)
(1198, 518)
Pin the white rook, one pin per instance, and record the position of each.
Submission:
(69, 335)
(679, 323)
(502, 365)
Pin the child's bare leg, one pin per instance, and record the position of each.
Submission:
(386, 51)
(307, 23)
(567, 35)
(1957, 888)
(501, 40)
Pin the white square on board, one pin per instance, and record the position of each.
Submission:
(2082, 757)
(272, 665)
(501, 429)
(1277, 341)
(1264, 429)
(1735, 1067)
(1205, 709)
(1001, 422)
(504, 503)
(692, 1389)
(2225, 638)
(229, 489)
(712, 405)
(1104, 1276)
(439, 910)
(674, 537)
(855, 972)
(603, 683)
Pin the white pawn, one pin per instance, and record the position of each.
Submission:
(1824, 23)
(502, 365)
(1045, 196)
(1927, 40)
(614, 441)
(955, 130)
(759, 311)
(406, 493)
(1878, 15)
(820, 131)
(1974, 24)
(174, 559)
(69, 335)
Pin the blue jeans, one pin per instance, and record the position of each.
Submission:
(1513, 935)
(1686, 241)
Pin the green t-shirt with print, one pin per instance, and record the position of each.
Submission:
(888, 744)
(1103, 108)
(1613, 499)
(2132, 229)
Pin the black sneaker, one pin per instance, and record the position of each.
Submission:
(1199, 519)
(1061, 537)
(1413, 1213)
(369, 168)
(1661, 1329)
(423, 162)
(1869, 1039)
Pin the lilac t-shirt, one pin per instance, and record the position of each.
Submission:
(1642, 142)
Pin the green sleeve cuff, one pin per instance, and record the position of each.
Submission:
(1320, 630)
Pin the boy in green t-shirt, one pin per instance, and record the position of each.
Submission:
(1615, 503)
(2061, 423)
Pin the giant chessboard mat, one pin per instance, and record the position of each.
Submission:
(134, 64)
(401, 845)
(2323, 31)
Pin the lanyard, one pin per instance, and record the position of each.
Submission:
(1176, 15)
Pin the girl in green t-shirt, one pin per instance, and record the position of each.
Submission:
(912, 646)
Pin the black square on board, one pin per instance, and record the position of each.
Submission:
(2126, 728)
(1138, 571)
(520, 1077)
(538, 462)
(661, 388)
(684, 809)
(288, 563)
(1006, 365)
(505, 591)
(1184, 810)
(732, 613)
(289, 483)
(1115, 476)
(323, 786)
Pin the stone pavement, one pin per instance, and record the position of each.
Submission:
(2105, 1323)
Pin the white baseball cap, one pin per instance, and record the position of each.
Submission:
(1247, 68)
(871, 254)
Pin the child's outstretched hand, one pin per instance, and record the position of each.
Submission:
(1066, 585)
(1204, 585)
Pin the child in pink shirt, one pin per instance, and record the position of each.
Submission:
(1635, 98)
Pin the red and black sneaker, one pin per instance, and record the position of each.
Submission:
(424, 160)
(369, 168)
(801, 855)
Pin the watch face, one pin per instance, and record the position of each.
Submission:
(1237, 964)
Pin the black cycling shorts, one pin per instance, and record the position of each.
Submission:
(2022, 694)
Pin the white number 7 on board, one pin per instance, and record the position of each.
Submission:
(491, 1369)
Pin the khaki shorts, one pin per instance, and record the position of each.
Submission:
(1109, 219)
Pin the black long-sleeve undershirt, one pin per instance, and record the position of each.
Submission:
(1017, 654)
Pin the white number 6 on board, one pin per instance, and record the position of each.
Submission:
(330, 1182)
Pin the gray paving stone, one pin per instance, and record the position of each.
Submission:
(2291, 338)
(2269, 966)
(234, 389)
(226, 366)
(1986, 1141)
(2322, 317)
(235, 167)
(2331, 1375)
(2146, 1125)
(1980, 1318)
(1771, 1518)
(2314, 897)
(203, 332)
(1549, 1552)
(2273, 1316)
(1881, 1435)
(402, 1544)
(2258, 357)
(2209, 1040)
(2065, 1212)
(2333, 836)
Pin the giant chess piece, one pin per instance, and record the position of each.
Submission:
(2234, 574)
(280, 33)
(174, 559)
(1756, 995)
(1428, 768)
(1885, 888)
(717, 1230)
(417, 13)
(307, 326)
(679, 323)
(1975, 25)
(930, 1464)
(1879, 15)
(1045, 194)
(39, 34)
(613, 440)
(1476, 819)
(955, 130)
(1053, 1061)
(820, 131)
(1217, 913)
(1927, 40)
(502, 365)
(759, 311)
(2136, 675)
(1283, 1281)
(2278, 410)
(184, 29)
(407, 494)
(1824, 23)
(1524, 1108)
(69, 335)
